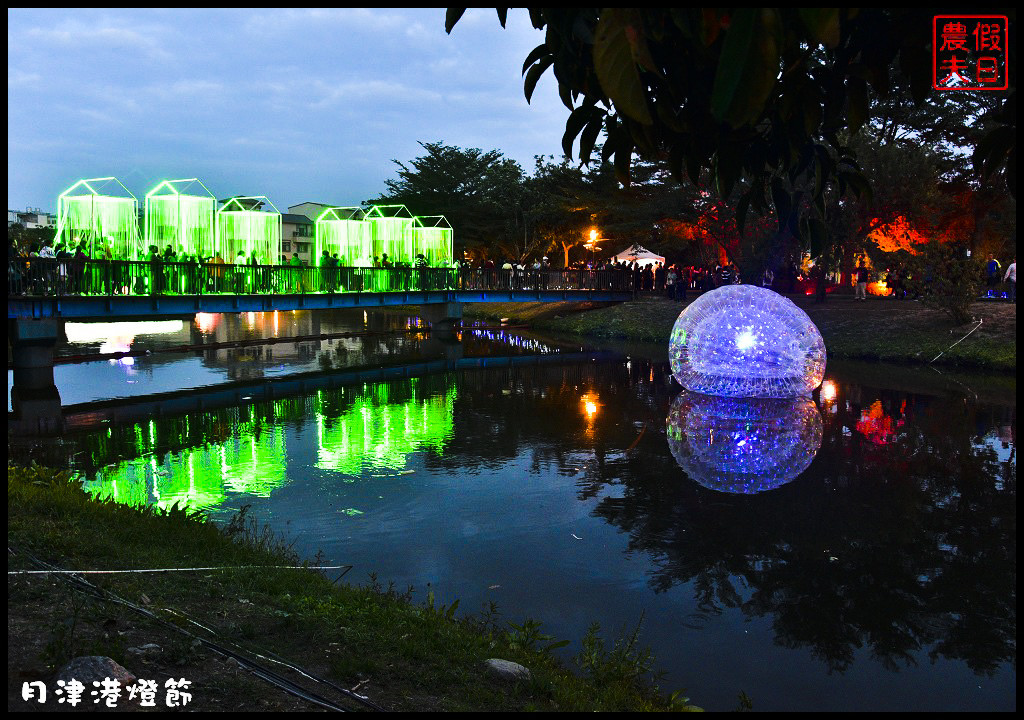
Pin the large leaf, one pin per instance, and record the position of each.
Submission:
(578, 119)
(589, 137)
(748, 66)
(857, 107)
(819, 236)
(451, 17)
(536, 54)
(533, 75)
(616, 67)
(823, 24)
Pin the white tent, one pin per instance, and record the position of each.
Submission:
(642, 255)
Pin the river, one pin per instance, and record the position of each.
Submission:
(852, 551)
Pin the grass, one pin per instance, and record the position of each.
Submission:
(879, 329)
(403, 655)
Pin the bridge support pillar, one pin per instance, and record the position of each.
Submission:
(35, 401)
(442, 317)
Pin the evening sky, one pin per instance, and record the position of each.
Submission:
(298, 105)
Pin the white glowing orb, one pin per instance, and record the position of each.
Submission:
(746, 341)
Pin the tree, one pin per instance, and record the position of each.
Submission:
(480, 193)
(761, 94)
(563, 206)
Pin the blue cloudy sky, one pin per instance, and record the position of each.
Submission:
(293, 104)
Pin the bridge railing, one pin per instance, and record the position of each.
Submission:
(53, 277)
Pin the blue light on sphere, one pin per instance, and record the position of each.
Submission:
(746, 341)
(743, 445)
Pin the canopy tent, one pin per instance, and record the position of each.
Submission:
(432, 237)
(100, 211)
(640, 254)
(344, 230)
(243, 225)
(391, 233)
(183, 221)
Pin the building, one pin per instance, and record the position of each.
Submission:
(297, 236)
(31, 218)
(297, 230)
(311, 210)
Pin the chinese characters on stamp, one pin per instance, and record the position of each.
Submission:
(970, 52)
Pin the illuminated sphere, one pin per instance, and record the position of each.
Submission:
(743, 445)
(746, 341)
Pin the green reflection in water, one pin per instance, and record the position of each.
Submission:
(200, 460)
(251, 460)
(381, 428)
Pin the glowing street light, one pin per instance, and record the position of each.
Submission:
(591, 244)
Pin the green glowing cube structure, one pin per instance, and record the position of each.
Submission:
(432, 237)
(100, 211)
(184, 221)
(392, 233)
(344, 230)
(244, 226)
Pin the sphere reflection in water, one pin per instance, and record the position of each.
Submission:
(743, 445)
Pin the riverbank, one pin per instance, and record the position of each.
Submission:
(898, 331)
(404, 655)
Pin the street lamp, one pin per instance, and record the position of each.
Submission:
(591, 245)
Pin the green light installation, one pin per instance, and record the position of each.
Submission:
(88, 211)
(379, 432)
(392, 233)
(432, 236)
(242, 225)
(183, 221)
(345, 231)
(251, 460)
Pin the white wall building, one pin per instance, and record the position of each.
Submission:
(32, 218)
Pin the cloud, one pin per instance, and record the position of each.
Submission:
(372, 91)
(103, 34)
(366, 20)
(17, 78)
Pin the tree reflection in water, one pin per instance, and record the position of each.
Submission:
(900, 546)
(742, 445)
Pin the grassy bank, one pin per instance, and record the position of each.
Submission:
(402, 655)
(879, 329)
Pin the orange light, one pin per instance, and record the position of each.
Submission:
(879, 288)
(828, 391)
(590, 406)
(206, 321)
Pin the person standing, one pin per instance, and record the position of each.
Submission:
(862, 283)
(295, 265)
(992, 275)
(325, 271)
(1011, 278)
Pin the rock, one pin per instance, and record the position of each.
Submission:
(147, 649)
(90, 668)
(507, 670)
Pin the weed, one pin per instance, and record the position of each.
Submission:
(624, 663)
(61, 646)
(528, 638)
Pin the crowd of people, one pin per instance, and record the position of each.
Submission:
(180, 271)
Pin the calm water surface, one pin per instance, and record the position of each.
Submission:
(855, 551)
